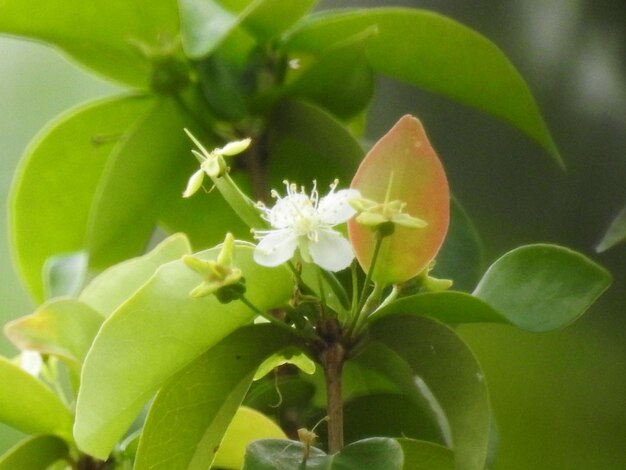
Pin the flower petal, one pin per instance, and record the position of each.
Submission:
(331, 251)
(233, 148)
(194, 183)
(275, 248)
(335, 209)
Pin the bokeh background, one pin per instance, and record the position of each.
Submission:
(559, 398)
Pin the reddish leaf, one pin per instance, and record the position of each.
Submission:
(420, 181)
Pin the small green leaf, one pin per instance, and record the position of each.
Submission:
(205, 396)
(287, 356)
(460, 258)
(306, 143)
(30, 406)
(142, 173)
(450, 379)
(61, 327)
(47, 218)
(542, 287)
(402, 166)
(64, 274)
(34, 453)
(422, 455)
(268, 19)
(248, 425)
(155, 333)
(438, 54)
(111, 288)
(100, 34)
(340, 80)
(615, 234)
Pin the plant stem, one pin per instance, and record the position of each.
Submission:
(358, 311)
(332, 360)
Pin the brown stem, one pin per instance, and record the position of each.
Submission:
(332, 360)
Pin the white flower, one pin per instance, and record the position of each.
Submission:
(31, 362)
(211, 163)
(304, 221)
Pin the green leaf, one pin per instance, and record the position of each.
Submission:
(306, 143)
(100, 34)
(438, 54)
(111, 288)
(615, 234)
(61, 327)
(64, 274)
(140, 176)
(376, 453)
(155, 333)
(461, 256)
(206, 24)
(286, 356)
(34, 453)
(340, 80)
(30, 406)
(205, 396)
(248, 425)
(422, 455)
(53, 189)
(542, 287)
(403, 166)
(449, 378)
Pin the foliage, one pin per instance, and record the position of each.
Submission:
(148, 331)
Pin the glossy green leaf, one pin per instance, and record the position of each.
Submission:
(64, 274)
(306, 143)
(34, 453)
(340, 79)
(376, 453)
(140, 176)
(438, 54)
(615, 234)
(542, 287)
(54, 186)
(205, 396)
(461, 256)
(206, 24)
(61, 327)
(403, 166)
(422, 455)
(155, 333)
(450, 379)
(30, 406)
(111, 288)
(101, 34)
(248, 425)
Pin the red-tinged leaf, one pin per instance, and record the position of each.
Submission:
(419, 180)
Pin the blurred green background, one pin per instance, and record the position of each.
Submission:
(559, 398)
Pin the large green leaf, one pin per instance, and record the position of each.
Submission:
(142, 174)
(54, 186)
(306, 143)
(205, 396)
(111, 288)
(101, 34)
(615, 234)
(376, 453)
(30, 406)
(449, 378)
(542, 287)
(34, 453)
(436, 53)
(421, 455)
(460, 257)
(155, 333)
(62, 327)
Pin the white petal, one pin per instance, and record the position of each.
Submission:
(334, 209)
(31, 362)
(331, 251)
(275, 248)
(194, 183)
(233, 148)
